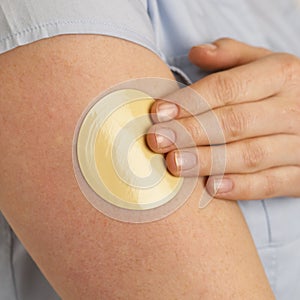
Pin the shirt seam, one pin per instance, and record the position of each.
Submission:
(269, 230)
(278, 244)
(8, 252)
(11, 263)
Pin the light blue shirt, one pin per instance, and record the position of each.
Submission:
(169, 28)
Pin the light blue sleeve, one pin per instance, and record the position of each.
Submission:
(23, 22)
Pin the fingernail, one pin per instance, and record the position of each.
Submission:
(185, 160)
(165, 137)
(210, 47)
(222, 185)
(166, 111)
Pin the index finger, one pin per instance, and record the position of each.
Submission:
(255, 81)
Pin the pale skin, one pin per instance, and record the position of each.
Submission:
(256, 99)
(192, 254)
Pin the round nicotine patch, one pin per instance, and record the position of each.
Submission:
(115, 169)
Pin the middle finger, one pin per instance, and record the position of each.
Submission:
(224, 125)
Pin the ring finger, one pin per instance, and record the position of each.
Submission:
(247, 156)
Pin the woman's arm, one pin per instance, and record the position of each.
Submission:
(192, 254)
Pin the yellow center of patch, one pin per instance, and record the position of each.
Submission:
(114, 158)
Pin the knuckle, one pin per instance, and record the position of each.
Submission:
(289, 64)
(250, 187)
(296, 111)
(253, 155)
(233, 122)
(204, 163)
(292, 114)
(225, 40)
(298, 147)
(191, 131)
(225, 88)
(218, 161)
(263, 50)
(270, 186)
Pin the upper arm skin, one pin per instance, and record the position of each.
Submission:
(192, 254)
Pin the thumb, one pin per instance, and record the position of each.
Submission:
(225, 53)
